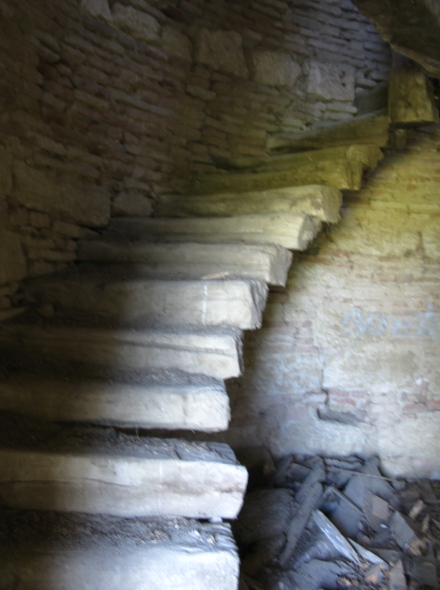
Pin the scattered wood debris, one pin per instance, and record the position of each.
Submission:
(338, 523)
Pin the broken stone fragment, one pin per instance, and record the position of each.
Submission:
(377, 511)
(397, 580)
(334, 536)
(402, 532)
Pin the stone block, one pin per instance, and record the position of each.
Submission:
(222, 51)
(44, 192)
(275, 68)
(175, 407)
(411, 94)
(5, 172)
(98, 8)
(397, 580)
(132, 203)
(176, 44)
(139, 25)
(154, 477)
(116, 553)
(12, 259)
(328, 81)
(215, 354)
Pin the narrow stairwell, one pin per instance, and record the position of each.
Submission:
(142, 334)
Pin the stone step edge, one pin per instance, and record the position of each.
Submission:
(320, 201)
(142, 301)
(121, 484)
(148, 406)
(214, 353)
(292, 231)
(266, 262)
(153, 554)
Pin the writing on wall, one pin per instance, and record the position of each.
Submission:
(424, 324)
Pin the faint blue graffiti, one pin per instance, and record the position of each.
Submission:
(425, 324)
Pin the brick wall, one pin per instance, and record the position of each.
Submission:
(348, 359)
(105, 106)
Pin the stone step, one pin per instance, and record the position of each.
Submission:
(92, 553)
(339, 167)
(100, 471)
(290, 230)
(319, 201)
(202, 407)
(263, 262)
(214, 353)
(372, 129)
(96, 295)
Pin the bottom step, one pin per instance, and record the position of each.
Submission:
(44, 551)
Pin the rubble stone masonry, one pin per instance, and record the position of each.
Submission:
(348, 358)
(105, 105)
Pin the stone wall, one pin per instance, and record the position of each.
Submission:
(106, 105)
(348, 359)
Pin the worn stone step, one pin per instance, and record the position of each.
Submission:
(372, 128)
(202, 407)
(319, 201)
(290, 230)
(339, 167)
(134, 301)
(214, 353)
(263, 262)
(101, 471)
(76, 552)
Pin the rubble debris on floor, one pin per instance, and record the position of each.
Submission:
(337, 523)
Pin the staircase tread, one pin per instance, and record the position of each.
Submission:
(26, 435)
(195, 406)
(181, 260)
(85, 551)
(331, 134)
(290, 230)
(215, 352)
(316, 200)
(80, 531)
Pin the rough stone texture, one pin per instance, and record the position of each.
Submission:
(411, 94)
(319, 201)
(176, 44)
(99, 8)
(140, 25)
(357, 331)
(215, 354)
(191, 260)
(290, 230)
(223, 51)
(150, 405)
(146, 554)
(91, 105)
(136, 301)
(132, 203)
(35, 190)
(275, 68)
(412, 27)
(12, 258)
(331, 82)
(122, 484)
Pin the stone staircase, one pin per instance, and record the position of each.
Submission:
(142, 334)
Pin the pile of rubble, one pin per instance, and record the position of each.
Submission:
(327, 523)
